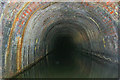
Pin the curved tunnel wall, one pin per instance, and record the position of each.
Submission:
(31, 28)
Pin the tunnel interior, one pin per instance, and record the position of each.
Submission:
(62, 44)
(66, 39)
(65, 43)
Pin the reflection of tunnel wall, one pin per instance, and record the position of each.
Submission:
(36, 29)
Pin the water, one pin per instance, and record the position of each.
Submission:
(74, 65)
(66, 60)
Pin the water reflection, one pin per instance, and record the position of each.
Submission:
(66, 61)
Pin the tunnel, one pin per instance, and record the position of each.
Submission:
(60, 40)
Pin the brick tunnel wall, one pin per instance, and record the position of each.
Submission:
(25, 26)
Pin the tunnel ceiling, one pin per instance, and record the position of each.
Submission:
(30, 30)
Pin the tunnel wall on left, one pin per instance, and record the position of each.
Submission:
(24, 26)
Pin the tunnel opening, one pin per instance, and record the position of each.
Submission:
(66, 44)
(64, 48)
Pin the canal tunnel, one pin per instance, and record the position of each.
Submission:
(60, 40)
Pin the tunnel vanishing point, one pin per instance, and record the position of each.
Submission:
(60, 40)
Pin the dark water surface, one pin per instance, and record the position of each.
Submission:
(70, 66)
(67, 61)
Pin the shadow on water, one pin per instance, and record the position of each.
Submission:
(67, 62)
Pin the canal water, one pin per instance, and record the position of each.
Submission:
(68, 62)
